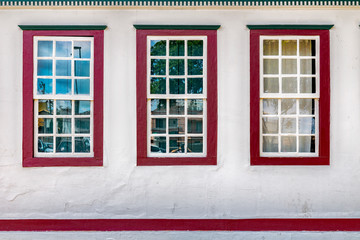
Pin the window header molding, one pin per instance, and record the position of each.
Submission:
(62, 27)
(177, 27)
(290, 27)
(176, 3)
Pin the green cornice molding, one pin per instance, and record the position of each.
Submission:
(176, 3)
(63, 27)
(290, 27)
(176, 27)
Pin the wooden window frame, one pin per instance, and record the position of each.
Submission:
(323, 157)
(29, 160)
(142, 118)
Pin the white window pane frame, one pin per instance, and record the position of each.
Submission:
(184, 96)
(55, 97)
(297, 96)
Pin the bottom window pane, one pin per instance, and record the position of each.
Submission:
(307, 144)
(270, 144)
(195, 144)
(177, 145)
(82, 144)
(63, 144)
(288, 144)
(46, 144)
(158, 144)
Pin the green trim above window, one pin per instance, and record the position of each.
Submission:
(63, 27)
(290, 27)
(177, 27)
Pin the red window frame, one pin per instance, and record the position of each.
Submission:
(141, 70)
(324, 102)
(28, 104)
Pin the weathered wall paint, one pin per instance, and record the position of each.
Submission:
(233, 188)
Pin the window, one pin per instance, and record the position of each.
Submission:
(290, 96)
(176, 96)
(63, 94)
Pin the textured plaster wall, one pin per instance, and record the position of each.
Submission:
(233, 188)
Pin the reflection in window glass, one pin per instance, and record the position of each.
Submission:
(63, 144)
(45, 125)
(63, 125)
(63, 86)
(44, 86)
(46, 144)
(63, 107)
(45, 48)
(82, 86)
(195, 47)
(158, 106)
(158, 86)
(63, 68)
(63, 49)
(46, 107)
(82, 144)
(82, 68)
(82, 49)
(82, 125)
(82, 107)
(44, 68)
(158, 48)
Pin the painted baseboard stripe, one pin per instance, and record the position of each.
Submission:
(175, 3)
(338, 224)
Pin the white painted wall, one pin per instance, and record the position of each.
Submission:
(233, 188)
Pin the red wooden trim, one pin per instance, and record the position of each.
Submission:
(28, 115)
(324, 103)
(210, 159)
(280, 224)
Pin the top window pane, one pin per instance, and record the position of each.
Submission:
(307, 48)
(288, 47)
(271, 47)
(45, 48)
(195, 48)
(177, 48)
(158, 48)
(63, 49)
(82, 49)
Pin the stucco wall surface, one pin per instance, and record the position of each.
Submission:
(233, 188)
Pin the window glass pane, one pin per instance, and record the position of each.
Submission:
(307, 106)
(270, 106)
(195, 107)
(195, 125)
(177, 106)
(158, 145)
(288, 125)
(63, 107)
(82, 125)
(271, 85)
(307, 66)
(289, 85)
(195, 145)
(195, 66)
(271, 66)
(176, 66)
(63, 86)
(45, 125)
(307, 144)
(195, 85)
(82, 68)
(288, 47)
(63, 67)
(158, 66)
(270, 144)
(63, 125)
(158, 106)
(307, 48)
(63, 49)
(82, 50)
(63, 144)
(158, 125)
(82, 86)
(176, 125)
(45, 68)
(158, 86)
(46, 107)
(288, 106)
(44, 86)
(177, 145)
(45, 48)
(158, 48)
(307, 125)
(82, 107)
(271, 47)
(288, 144)
(289, 66)
(46, 144)
(82, 144)
(177, 47)
(270, 125)
(307, 85)
(195, 47)
(177, 85)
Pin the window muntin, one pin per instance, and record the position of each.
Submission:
(63, 96)
(289, 96)
(176, 96)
